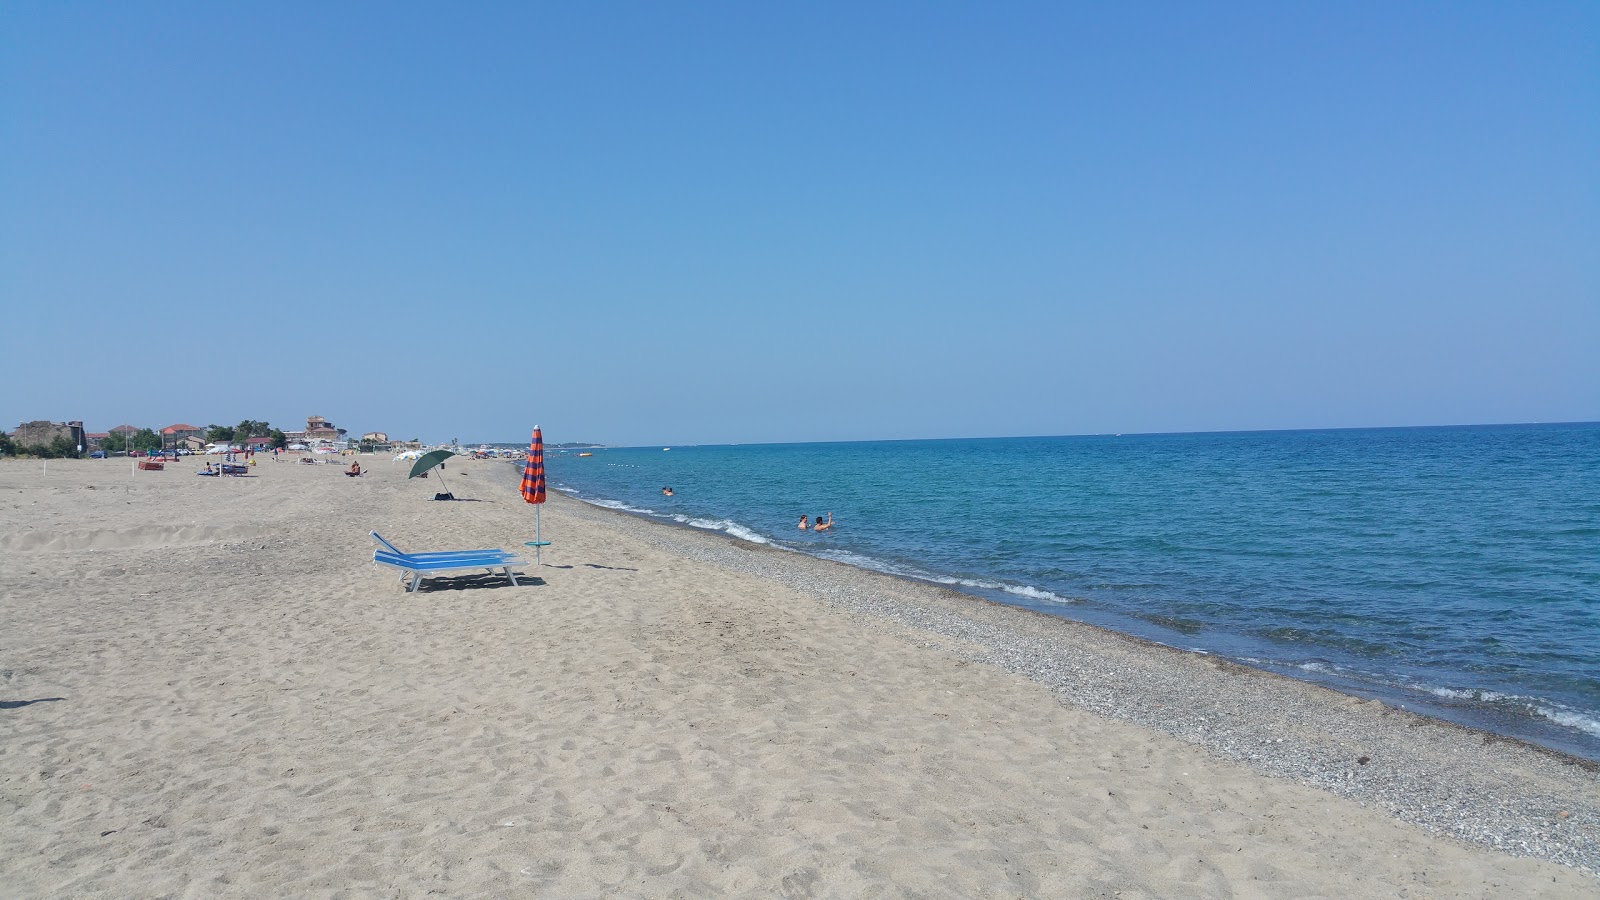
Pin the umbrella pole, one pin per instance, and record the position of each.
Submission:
(538, 548)
(441, 481)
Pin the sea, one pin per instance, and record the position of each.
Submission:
(1451, 571)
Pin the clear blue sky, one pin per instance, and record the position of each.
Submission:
(701, 222)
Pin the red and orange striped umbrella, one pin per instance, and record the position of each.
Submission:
(533, 471)
(533, 491)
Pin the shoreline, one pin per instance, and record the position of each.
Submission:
(210, 689)
(956, 595)
(1440, 776)
(1536, 728)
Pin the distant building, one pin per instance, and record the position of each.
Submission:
(127, 431)
(173, 435)
(43, 433)
(95, 439)
(320, 429)
(375, 437)
(193, 442)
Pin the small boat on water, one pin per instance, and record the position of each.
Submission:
(585, 454)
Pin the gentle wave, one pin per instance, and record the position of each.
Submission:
(734, 529)
(1547, 709)
(1571, 718)
(725, 526)
(1020, 590)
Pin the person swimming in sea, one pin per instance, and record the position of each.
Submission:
(821, 525)
(803, 525)
(666, 492)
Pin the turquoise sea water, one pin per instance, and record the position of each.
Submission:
(1452, 571)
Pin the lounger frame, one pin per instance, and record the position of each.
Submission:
(425, 568)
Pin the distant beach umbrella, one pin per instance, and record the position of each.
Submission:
(427, 461)
(533, 491)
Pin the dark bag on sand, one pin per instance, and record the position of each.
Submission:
(444, 496)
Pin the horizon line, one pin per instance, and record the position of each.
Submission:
(1001, 437)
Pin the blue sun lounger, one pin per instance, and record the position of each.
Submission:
(391, 548)
(423, 565)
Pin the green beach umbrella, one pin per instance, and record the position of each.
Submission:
(429, 460)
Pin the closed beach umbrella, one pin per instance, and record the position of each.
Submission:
(533, 490)
(427, 461)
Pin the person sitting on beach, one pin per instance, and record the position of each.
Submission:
(355, 469)
(803, 525)
(824, 526)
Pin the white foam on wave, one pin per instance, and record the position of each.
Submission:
(1571, 718)
(726, 526)
(851, 559)
(1033, 593)
(1470, 694)
(1546, 709)
(734, 529)
(878, 565)
(1020, 590)
(605, 503)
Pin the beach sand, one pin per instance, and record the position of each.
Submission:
(207, 689)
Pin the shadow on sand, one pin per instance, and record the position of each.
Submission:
(474, 582)
(18, 704)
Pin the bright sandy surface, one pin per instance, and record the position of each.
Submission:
(207, 689)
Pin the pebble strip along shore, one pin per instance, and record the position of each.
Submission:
(1444, 778)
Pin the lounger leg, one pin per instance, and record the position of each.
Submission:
(511, 575)
(416, 582)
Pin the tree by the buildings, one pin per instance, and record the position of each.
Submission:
(250, 428)
(145, 439)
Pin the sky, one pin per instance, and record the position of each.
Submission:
(640, 223)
